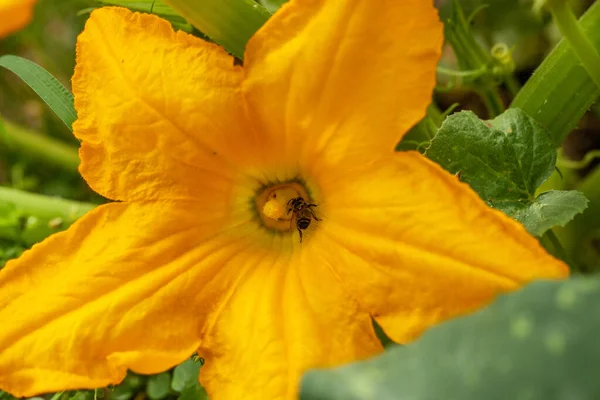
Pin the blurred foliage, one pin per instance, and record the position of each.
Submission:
(50, 42)
(539, 343)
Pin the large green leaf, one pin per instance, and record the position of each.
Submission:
(505, 160)
(58, 98)
(540, 343)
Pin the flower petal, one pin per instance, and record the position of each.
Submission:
(159, 111)
(15, 14)
(289, 313)
(416, 246)
(121, 288)
(342, 79)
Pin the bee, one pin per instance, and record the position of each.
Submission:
(302, 213)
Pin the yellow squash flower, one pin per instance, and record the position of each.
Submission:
(200, 253)
(14, 15)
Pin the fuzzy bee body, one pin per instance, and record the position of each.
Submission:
(302, 213)
(303, 223)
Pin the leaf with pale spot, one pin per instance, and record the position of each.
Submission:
(537, 344)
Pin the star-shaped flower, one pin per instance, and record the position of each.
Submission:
(201, 249)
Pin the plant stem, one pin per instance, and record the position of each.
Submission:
(423, 131)
(44, 206)
(493, 101)
(513, 86)
(472, 58)
(590, 156)
(461, 74)
(558, 93)
(583, 47)
(38, 146)
(560, 251)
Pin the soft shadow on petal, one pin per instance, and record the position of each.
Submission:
(415, 246)
(121, 288)
(160, 114)
(285, 316)
(15, 14)
(340, 80)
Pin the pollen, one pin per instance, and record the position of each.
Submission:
(273, 209)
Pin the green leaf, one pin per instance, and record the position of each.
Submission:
(551, 208)
(78, 395)
(272, 5)
(185, 375)
(8, 252)
(58, 98)
(505, 160)
(5, 396)
(128, 388)
(159, 386)
(561, 91)
(194, 392)
(156, 7)
(540, 343)
(229, 23)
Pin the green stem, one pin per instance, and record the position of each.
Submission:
(513, 86)
(558, 94)
(473, 74)
(472, 57)
(583, 47)
(560, 251)
(493, 101)
(422, 133)
(563, 162)
(38, 146)
(44, 206)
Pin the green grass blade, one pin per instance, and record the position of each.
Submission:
(58, 98)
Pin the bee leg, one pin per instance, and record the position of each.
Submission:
(314, 215)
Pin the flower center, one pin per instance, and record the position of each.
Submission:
(275, 204)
